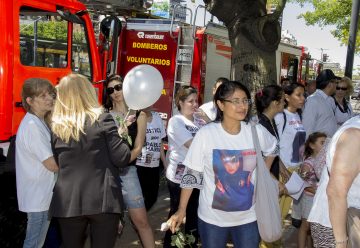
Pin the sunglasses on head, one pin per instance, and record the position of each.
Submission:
(111, 90)
(341, 88)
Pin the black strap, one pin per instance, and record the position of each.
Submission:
(284, 122)
(346, 108)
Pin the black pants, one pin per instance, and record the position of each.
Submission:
(103, 230)
(149, 182)
(191, 212)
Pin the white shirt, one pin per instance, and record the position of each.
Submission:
(318, 115)
(320, 211)
(180, 130)
(34, 182)
(155, 132)
(341, 115)
(209, 109)
(292, 137)
(228, 164)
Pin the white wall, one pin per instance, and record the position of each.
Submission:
(200, 14)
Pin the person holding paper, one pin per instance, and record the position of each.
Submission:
(292, 137)
(313, 145)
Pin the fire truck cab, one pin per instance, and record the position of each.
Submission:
(41, 38)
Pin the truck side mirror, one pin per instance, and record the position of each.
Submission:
(110, 27)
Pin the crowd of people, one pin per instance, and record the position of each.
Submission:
(83, 164)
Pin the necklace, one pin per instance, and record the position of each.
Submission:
(276, 135)
(272, 126)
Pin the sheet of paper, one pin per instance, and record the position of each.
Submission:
(296, 185)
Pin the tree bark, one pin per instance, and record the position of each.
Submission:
(252, 66)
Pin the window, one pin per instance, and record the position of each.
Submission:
(43, 38)
(80, 61)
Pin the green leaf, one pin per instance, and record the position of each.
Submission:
(335, 13)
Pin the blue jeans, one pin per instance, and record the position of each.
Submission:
(243, 236)
(36, 229)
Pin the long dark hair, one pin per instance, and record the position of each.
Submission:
(308, 151)
(224, 91)
(264, 97)
(289, 90)
(108, 102)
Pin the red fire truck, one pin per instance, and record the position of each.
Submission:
(183, 54)
(51, 39)
(41, 38)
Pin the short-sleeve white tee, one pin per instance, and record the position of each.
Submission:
(150, 153)
(34, 182)
(228, 165)
(179, 131)
(292, 138)
(209, 109)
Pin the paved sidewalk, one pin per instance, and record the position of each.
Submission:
(159, 213)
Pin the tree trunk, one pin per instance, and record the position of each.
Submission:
(252, 66)
(254, 36)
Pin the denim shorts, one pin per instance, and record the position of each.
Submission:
(131, 189)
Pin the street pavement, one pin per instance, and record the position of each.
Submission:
(13, 222)
(158, 214)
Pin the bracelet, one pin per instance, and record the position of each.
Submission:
(342, 241)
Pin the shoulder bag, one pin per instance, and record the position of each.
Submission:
(266, 198)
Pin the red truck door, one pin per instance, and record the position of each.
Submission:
(48, 46)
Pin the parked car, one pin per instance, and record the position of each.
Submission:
(355, 94)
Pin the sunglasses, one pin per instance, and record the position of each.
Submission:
(111, 90)
(341, 88)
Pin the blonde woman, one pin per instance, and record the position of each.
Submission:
(89, 152)
(343, 110)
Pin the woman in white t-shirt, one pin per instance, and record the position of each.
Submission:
(35, 163)
(292, 138)
(148, 161)
(221, 161)
(181, 131)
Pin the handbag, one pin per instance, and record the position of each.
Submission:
(267, 207)
(353, 227)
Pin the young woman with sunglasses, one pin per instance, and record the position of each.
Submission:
(221, 161)
(136, 128)
(343, 110)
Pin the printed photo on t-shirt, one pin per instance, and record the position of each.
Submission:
(298, 142)
(233, 170)
(179, 171)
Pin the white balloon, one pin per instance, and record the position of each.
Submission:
(142, 86)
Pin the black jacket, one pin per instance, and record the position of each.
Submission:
(88, 181)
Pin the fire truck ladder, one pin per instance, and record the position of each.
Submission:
(184, 54)
(185, 49)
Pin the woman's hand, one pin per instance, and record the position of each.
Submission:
(285, 175)
(282, 189)
(123, 130)
(176, 219)
(130, 119)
